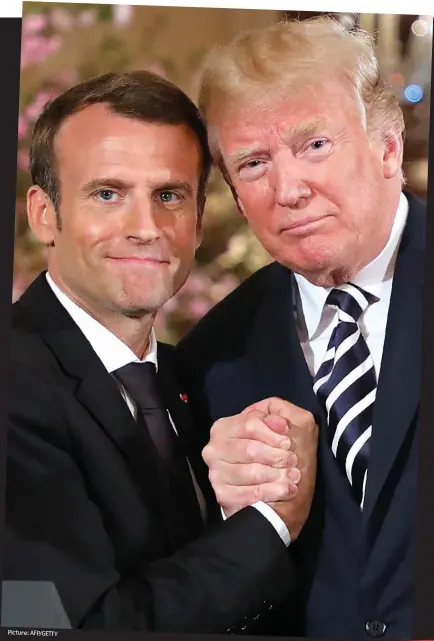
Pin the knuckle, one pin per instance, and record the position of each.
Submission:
(207, 453)
(221, 426)
(282, 491)
(221, 495)
(249, 427)
(257, 493)
(256, 473)
(278, 458)
(311, 425)
(213, 476)
(250, 451)
(215, 428)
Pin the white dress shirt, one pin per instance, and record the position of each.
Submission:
(315, 323)
(114, 354)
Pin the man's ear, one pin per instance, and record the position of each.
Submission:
(393, 154)
(199, 222)
(41, 215)
(240, 206)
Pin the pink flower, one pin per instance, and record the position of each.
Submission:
(34, 23)
(197, 307)
(61, 19)
(35, 49)
(52, 44)
(23, 127)
(197, 283)
(39, 101)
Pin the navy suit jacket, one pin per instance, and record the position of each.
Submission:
(354, 570)
(87, 508)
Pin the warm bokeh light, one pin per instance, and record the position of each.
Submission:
(396, 80)
(420, 27)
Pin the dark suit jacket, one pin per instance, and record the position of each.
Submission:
(353, 568)
(86, 510)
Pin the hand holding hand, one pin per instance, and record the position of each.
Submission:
(261, 455)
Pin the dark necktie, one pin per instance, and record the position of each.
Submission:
(141, 382)
(346, 385)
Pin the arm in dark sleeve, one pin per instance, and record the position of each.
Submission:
(54, 532)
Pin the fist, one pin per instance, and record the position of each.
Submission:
(255, 456)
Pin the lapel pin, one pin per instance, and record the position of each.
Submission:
(184, 398)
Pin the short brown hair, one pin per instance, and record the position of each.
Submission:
(140, 95)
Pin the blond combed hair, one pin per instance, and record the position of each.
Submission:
(289, 56)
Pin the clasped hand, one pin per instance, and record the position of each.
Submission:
(267, 453)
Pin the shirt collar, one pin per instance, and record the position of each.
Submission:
(109, 348)
(312, 298)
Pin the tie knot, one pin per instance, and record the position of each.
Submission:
(141, 382)
(351, 300)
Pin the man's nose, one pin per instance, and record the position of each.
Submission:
(142, 221)
(289, 179)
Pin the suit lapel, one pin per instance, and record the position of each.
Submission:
(177, 405)
(98, 393)
(276, 359)
(399, 381)
(277, 367)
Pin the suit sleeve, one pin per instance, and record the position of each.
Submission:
(227, 579)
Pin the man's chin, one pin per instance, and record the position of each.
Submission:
(139, 309)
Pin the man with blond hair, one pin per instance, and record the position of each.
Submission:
(310, 141)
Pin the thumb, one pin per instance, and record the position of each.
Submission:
(277, 424)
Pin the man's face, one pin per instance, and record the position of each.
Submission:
(318, 194)
(128, 212)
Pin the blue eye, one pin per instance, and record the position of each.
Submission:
(106, 194)
(317, 144)
(168, 197)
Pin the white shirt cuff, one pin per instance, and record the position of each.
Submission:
(273, 518)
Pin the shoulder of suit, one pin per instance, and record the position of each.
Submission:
(415, 229)
(164, 349)
(228, 317)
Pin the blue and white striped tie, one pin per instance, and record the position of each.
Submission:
(346, 385)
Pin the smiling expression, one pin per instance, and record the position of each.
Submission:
(128, 212)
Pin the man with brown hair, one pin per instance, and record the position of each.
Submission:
(310, 141)
(107, 496)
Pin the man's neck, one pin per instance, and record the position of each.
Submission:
(133, 331)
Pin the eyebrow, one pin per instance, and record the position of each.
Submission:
(242, 154)
(116, 183)
(174, 185)
(295, 132)
(105, 183)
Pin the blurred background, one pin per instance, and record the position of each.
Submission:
(65, 43)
